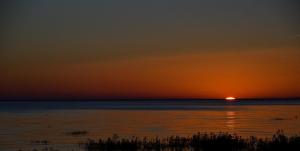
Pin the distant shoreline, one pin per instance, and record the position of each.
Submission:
(140, 99)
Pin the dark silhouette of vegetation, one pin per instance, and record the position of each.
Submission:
(198, 142)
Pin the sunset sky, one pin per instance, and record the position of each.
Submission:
(149, 49)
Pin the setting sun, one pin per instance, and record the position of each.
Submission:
(230, 98)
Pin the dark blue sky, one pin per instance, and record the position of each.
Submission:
(115, 28)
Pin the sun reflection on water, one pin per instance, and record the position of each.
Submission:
(230, 122)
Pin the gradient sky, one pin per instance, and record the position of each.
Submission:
(150, 49)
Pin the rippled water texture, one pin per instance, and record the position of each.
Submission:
(64, 124)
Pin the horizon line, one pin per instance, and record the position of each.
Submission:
(136, 99)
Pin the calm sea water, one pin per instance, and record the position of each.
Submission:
(25, 124)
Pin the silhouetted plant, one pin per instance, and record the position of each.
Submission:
(197, 142)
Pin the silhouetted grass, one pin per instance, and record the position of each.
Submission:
(198, 142)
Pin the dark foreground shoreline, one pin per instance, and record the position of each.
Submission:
(197, 142)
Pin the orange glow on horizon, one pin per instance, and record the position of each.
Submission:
(250, 74)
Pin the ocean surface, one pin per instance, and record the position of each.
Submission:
(64, 124)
